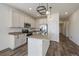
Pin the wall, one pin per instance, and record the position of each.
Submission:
(64, 26)
(67, 29)
(4, 17)
(53, 27)
(40, 21)
(74, 27)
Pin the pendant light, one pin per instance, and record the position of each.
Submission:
(44, 10)
(41, 9)
(47, 12)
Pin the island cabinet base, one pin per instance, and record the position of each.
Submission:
(37, 47)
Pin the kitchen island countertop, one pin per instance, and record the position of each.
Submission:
(39, 36)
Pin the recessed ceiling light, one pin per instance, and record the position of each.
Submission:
(30, 8)
(66, 13)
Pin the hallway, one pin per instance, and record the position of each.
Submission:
(67, 47)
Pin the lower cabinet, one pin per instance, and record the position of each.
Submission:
(17, 40)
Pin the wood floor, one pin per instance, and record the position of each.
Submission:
(67, 47)
(21, 51)
(64, 48)
(53, 49)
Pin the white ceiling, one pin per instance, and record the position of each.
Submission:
(60, 8)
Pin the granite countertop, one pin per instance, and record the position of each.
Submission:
(15, 33)
(36, 36)
(39, 36)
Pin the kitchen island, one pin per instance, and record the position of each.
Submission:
(38, 45)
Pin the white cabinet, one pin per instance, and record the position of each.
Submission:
(21, 20)
(17, 40)
(17, 19)
(20, 40)
(29, 20)
(26, 20)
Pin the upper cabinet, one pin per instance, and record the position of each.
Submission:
(21, 19)
(17, 19)
(29, 20)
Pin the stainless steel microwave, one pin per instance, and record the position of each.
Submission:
(27, 25)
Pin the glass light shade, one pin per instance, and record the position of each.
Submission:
(47, 12)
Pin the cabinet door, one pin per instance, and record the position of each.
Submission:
(17, 41)
(26, 20)
(30, 21)
(20, 40)
(23, 39)
(15, 19)
(21, 20)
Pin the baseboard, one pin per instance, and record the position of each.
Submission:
(5, 50)
(69, 39)
(74, 42)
